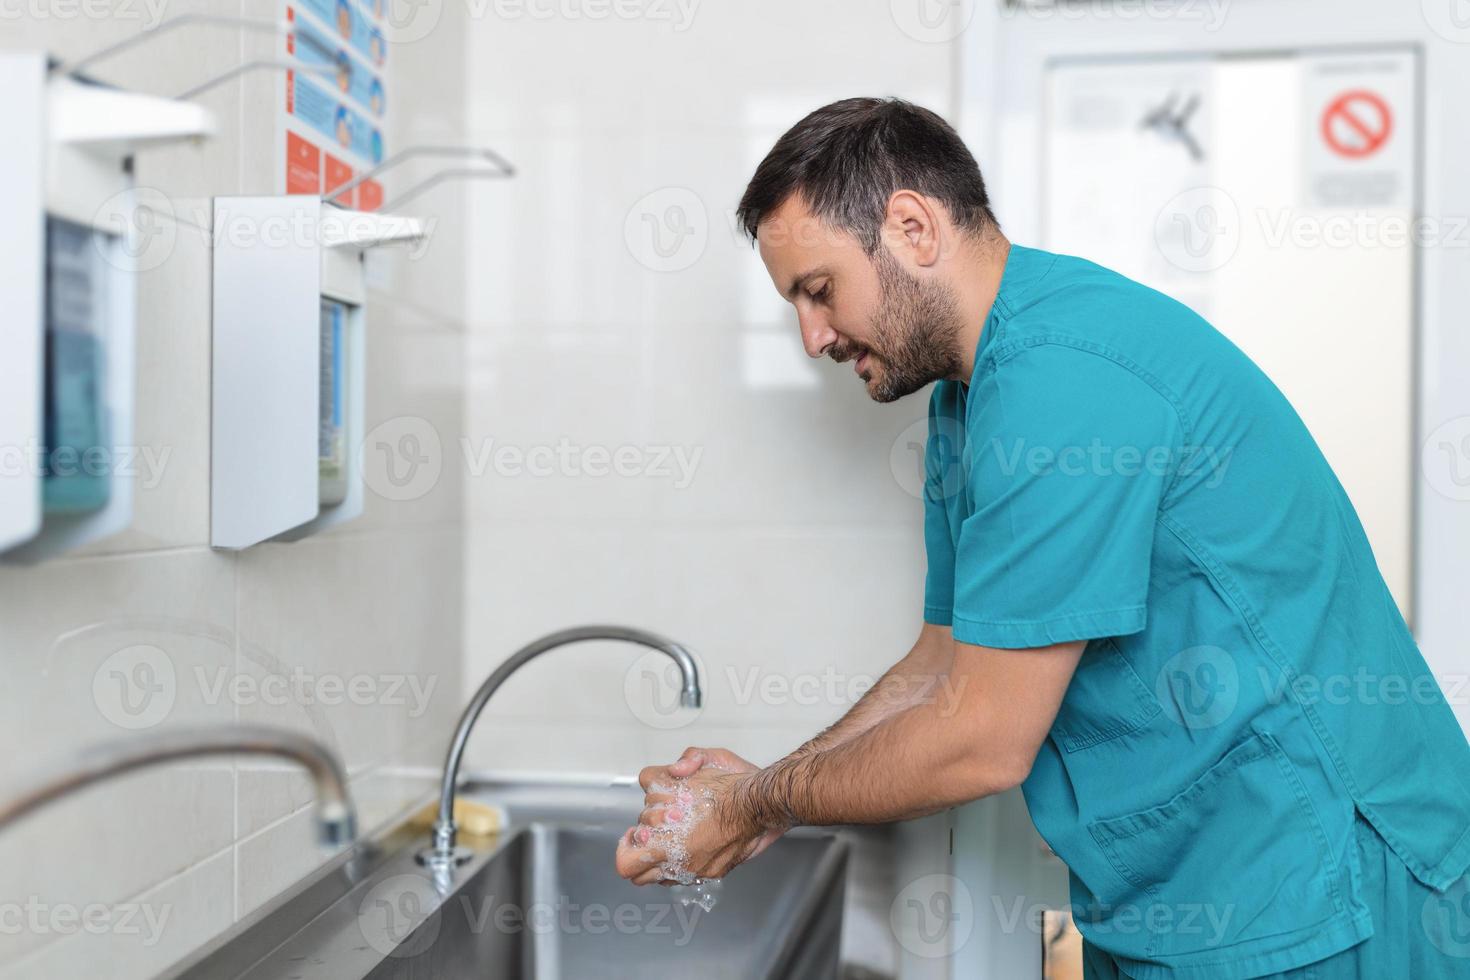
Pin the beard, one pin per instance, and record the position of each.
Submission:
(915, 334)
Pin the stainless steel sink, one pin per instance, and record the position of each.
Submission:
(543, 902)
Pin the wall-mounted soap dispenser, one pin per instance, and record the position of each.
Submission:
(289, 359)
(68, 326)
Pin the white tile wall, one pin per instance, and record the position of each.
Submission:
(198, 846)
(793, 559)
(789, 553)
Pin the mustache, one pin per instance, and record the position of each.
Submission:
(842, 353)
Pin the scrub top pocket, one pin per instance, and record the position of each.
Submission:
(1106, 700)
(1239, 860)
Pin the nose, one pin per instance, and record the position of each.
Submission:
(817, 335)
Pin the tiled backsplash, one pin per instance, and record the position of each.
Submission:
(354, 636)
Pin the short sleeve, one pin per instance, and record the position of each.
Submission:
(943, 475)
(1069, 454)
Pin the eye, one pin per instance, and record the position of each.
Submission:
(823, 294)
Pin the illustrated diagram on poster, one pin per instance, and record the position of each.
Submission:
(1275, 194)
(331, 123)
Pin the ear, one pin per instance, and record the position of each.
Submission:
(911, 227)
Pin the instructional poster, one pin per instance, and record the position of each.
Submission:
(332, 118)
(1275, 193)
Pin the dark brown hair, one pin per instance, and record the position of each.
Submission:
(848, 158)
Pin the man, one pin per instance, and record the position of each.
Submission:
(1158, 608)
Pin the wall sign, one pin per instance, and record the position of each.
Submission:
(330, 124)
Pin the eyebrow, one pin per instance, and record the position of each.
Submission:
(805, 278)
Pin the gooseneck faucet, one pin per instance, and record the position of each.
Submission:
(444, 854)
(335, 817)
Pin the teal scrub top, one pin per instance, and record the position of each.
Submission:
(1116, 471)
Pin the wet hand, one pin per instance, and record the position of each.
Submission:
(692, 823)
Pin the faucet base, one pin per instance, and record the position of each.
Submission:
(436, 858)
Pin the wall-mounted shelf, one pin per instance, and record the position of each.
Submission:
(67, 339)
(289, 292)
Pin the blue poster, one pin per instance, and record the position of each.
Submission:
(352, 78)
(343, 127)
(351, 24)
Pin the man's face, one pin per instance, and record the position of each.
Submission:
(899, 332)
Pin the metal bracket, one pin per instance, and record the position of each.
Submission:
(500, 168)
(279, 27)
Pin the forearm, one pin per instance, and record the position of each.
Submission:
(915, 763)
(936, 754)
(923, 675)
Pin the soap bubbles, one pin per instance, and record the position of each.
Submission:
(684, 811)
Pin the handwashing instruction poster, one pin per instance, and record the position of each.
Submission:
(331, 116)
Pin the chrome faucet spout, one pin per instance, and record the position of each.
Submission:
(336, 819)
(443, 853)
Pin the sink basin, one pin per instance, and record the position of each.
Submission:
(551, 905)
(543, 902)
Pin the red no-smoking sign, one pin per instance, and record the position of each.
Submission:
(1357, 124)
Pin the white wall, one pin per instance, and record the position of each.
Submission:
(201, 845)
(794, 555)
(793, 562)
